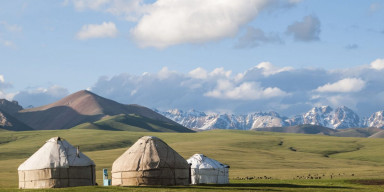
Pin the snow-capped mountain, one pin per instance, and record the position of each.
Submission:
(376, 120)
(199, 120)
(339, 118)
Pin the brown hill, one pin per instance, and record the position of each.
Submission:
(81, 107)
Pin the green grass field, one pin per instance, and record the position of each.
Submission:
(289, 161)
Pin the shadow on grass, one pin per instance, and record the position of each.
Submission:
(245, 186)
(368, 181)
(205, 187)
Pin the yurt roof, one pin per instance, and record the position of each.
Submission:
(56, 153)
(201, 161)
(149, 153)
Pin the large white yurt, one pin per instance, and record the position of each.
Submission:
(150, 161)
(56, 164)
(207, 170)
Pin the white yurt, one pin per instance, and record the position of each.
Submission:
(150, 161)
(56, 164)
(207, 170)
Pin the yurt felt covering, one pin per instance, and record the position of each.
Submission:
(150, 161)
(207, 170)
(56, 164)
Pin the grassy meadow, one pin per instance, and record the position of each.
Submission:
(277, 161)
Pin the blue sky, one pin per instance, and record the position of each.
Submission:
(227, 56)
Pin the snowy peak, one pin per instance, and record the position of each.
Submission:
(318, 116)
(376, 120)
(339, 118)
(345, 118)
(200, 120)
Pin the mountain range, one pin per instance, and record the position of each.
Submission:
(325, 116)
(85, 110)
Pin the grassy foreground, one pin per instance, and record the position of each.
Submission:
(275, 161)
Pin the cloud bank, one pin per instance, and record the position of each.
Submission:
(164, 23)
(31, 96)
(343, 86)
(40, 96)
(264, 87)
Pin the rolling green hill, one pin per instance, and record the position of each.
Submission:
(280, 156)
(132, 122)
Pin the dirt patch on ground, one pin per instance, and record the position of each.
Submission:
(369, 182)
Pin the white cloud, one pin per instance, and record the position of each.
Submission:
(165, 73)
(378, 64)
(269, 69)
(7, 96)
(3, 84)
(40, 96)
(106, 29)
(170, 22)
(342, 100)
(198, 73)
(163, 23)
(343, 86)
(245, 91)
(220, 72)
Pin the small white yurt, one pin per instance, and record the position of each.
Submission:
(150, 161)
(207, 170)
(56, 164)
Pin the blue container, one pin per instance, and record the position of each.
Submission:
(106, 181)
